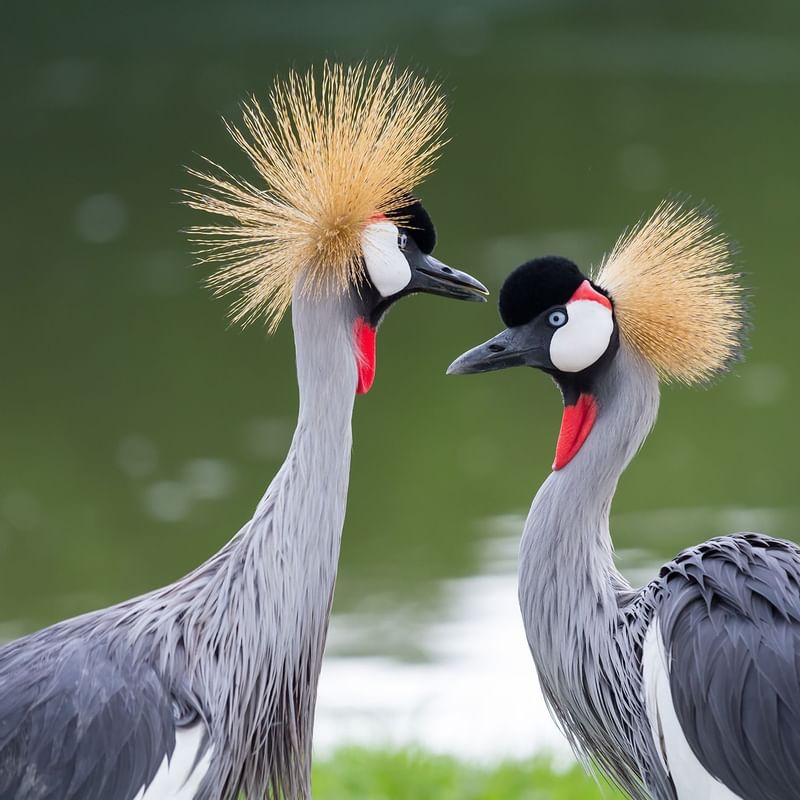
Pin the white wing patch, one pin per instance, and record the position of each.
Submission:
(386, 264)
(179, 777)
(692, 781)
(584, 338)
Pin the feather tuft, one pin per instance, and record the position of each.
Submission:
(677, 298)
(332, 154)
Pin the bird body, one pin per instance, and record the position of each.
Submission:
(687, 688)
(702, 660)
(205, 689)
(220, 668)
(727, 613)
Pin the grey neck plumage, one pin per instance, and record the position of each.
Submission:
(246, 631)
(569, 588)
(290, 550)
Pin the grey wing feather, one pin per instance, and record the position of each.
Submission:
(76, 722)
(730, 619)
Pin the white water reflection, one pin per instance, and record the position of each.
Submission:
(477, 696)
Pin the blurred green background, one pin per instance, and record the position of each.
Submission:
(138, 430)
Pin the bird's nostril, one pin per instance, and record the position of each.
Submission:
(496, 348)
(447, 270)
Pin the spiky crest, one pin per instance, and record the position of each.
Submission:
(677, 298)
(329, 160)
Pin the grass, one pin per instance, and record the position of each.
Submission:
(361, 774)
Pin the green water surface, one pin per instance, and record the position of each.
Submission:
(138, 431)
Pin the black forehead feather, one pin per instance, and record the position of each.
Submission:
(418, 224)
(537, 285)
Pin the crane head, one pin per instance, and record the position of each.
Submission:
(398, 261)
(336, 160)
(666, 290)
(331, 211)
(560, 322)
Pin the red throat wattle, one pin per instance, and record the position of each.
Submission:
(576, 425)
(364, 335)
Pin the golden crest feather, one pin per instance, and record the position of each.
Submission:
(677, 298)
(331, 156)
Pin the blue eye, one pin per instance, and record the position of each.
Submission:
(402, 241)
(557, 318)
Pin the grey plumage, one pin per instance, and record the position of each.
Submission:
(90, 707)
(79, 696)
(728, 612)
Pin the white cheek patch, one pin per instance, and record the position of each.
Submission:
(585, 337)
(387, 266)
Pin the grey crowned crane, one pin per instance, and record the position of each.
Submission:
(205, 689)
(688, 687)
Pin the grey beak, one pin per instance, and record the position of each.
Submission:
(431, 276)
(512, 347)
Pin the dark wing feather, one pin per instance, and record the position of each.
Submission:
(730, 619)
(78, 723)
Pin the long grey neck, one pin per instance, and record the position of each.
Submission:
(318, 462)
(569, 587)
(294, 536)
(256, 629)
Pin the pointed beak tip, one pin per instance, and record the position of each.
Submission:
(475, 291)
(468, 288)
(456, 367)
(437, 278)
